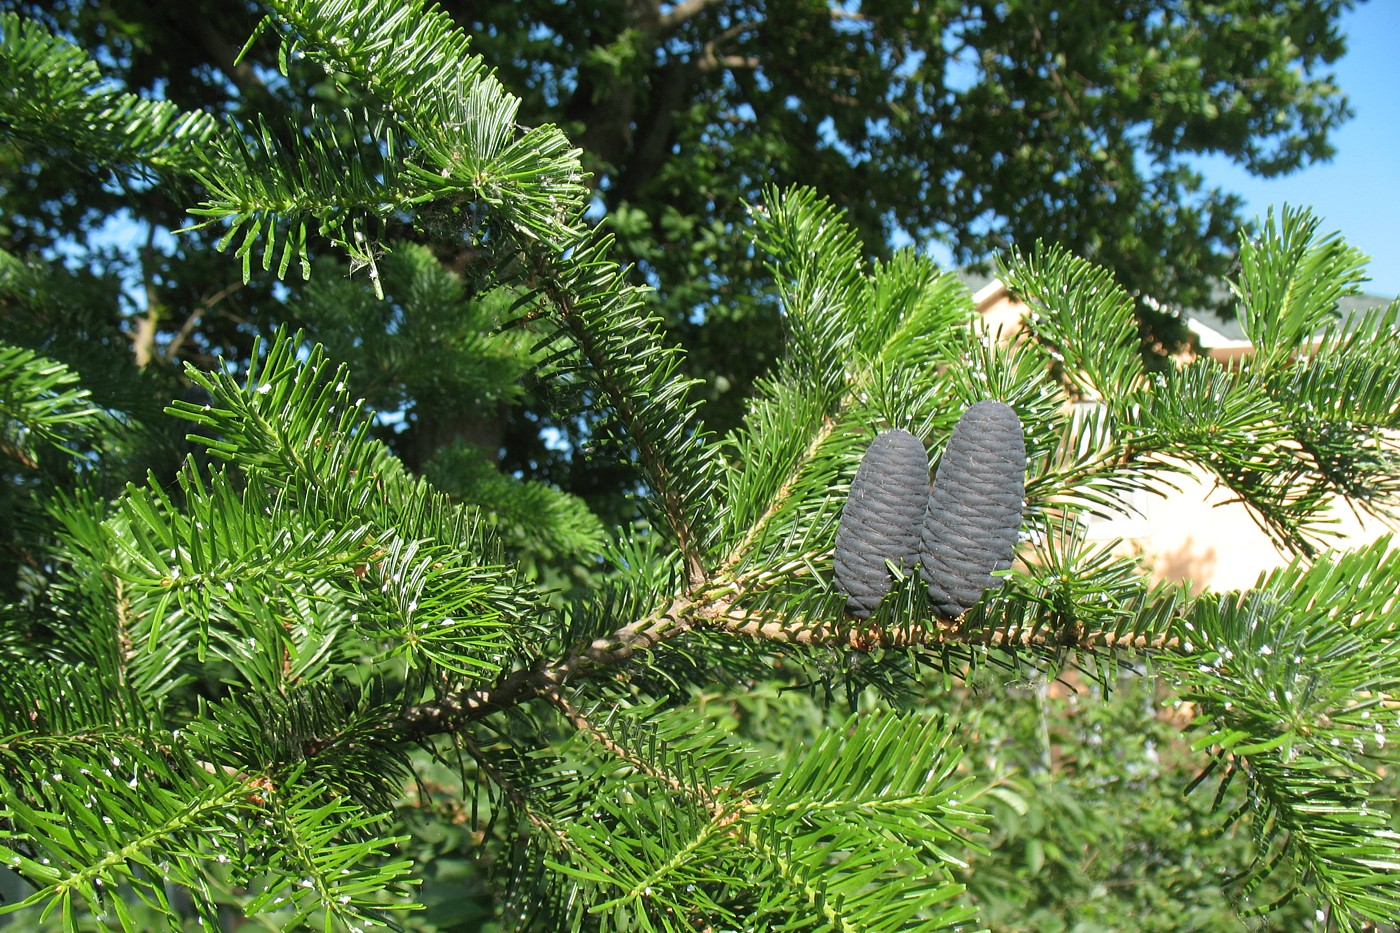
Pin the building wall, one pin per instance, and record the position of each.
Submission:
(1195, 534)
(1199, 536)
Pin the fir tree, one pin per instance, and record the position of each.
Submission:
(216, 692)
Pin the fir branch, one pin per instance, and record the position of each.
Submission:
(1286, 430)
(1143, 627)
(1291, 279)
(41, 406)
(658, 845)
(295, 425)
(222, 538)
(409, 562)
(1296, 683)
(436, 128)
(156, 807)
(884, 791)
(582, 722)
(513, 793)
(121, 630)
(782, 497)
(61, 701)
(1084, 318)
(57, 100)
(639, 377)
(814, 257)
(1353, 375)
(330, 860)
(271, 193)
(415, 61)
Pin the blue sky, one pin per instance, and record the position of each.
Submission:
(1358, 191)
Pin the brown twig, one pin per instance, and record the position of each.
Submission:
(715, 610)
(516, 797)
(448, 713)
(204, 307)
(865, 636)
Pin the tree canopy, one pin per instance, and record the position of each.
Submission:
(254, 665)
(984, 126)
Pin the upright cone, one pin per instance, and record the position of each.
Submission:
(974, 511)
(881, 519)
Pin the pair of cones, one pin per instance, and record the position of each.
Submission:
(960, 533)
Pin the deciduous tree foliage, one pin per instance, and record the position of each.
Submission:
(981, 125)
(301, 681)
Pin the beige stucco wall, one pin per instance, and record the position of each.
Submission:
(1198, 535)
(998, 314)
(1195, 534)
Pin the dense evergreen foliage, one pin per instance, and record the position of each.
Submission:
(271, 671)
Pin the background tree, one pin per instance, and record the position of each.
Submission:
(980, 125)
(262, 689)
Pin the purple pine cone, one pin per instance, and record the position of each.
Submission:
(974, 511)
(881, 519)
